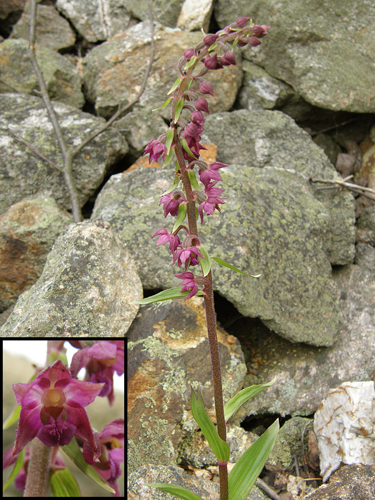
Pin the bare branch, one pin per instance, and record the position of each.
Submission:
(66, 154)
(367, 192)
(19, 138)
(143, 86)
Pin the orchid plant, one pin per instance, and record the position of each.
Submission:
(52, 417)
(188, 200)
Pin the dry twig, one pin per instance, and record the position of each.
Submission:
(367, 192)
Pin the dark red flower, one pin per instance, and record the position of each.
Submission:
(52, 409)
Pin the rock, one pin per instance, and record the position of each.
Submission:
(138, 481)
(288, 442)
(51, 30)
(344, 426)
(305, 374)
(27, 116)
(169, 353)
(270, 138)
(93, 22)
(271, 225)
(352, 482)
(27, 232)
(114, 71)
(138, 128)
(88, 288)
(260, 90)
(17, 75)
(195, 14)
(366, 226)
(321, 50)
(167, 16)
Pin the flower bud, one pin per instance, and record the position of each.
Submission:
(202, 105)
(241, 21)
(260, 31)
(206, 88)
(189, 53)
(253, 41)
(210, 39)
(228, 59)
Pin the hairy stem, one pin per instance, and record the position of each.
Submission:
(37, 479)
(217, 381)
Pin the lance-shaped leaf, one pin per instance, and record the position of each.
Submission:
(179, 106)
(244, 474)
(169, 140)
(171, 293)
(75, 454)
(182, 209)
(229, 266)
(239, 399)
(192, 61)
(205, 262)
(163, 105)
(217, 445)
(193, 179)
(177, 491)
(186, 147)
(63, 484)
(175, 85)
(17, 467)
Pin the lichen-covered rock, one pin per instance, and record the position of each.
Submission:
(324, 50)
(51, 29)
(169, 354)
(27, 232)
(17, 74)
(274, 223)
(114, 71)
(24, 174)
(96, 21)
(88, 288)
(305, 374)
(271, 138)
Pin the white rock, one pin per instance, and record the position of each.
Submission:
(345, 427)
(195, 14)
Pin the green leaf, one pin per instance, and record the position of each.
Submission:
(171, 293)
(191, 62)
(182, 209)
(177, 491)
(193, 179)
(239, 399)
(205, 263)
(17, 467)
(176, 182)
(179, 106)
(244, 474)
(186, 147)
(212, 47)
(175, 85)
(163, 105)
(63, 484)
(75, 454)
(229, 266)
(234, 43)
(13, 417)
(217, 445)
(168, 143)
(168, 158)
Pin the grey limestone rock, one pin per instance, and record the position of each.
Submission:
(324, 50)
(24, 174)
(88, 288)
(96, 21)
(114, 71)
(61, 78)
